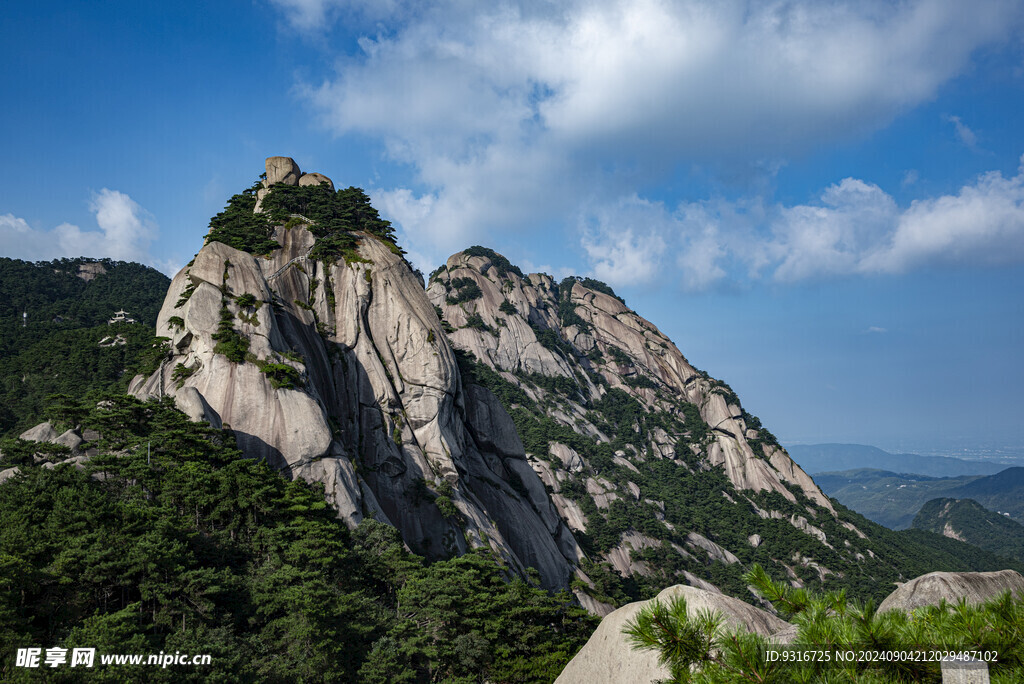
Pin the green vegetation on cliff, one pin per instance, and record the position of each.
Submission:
(334, 216)
(971, 522)
(191, 547)
(237, 226)
(65, 345)
(501, 265)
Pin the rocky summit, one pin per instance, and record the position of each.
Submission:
(544, 420)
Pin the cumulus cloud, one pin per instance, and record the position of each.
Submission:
(125, 231)
(855, 228)
(515, 114)
(811, 240)
(982, 224)
(624, 242)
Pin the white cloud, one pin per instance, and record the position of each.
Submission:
(125, 232)
(623, 257)
(875, 330)
(316, 16)
(982, 224)
(519, 113)
(701, 248)
(968, 137)
(306, 15)
(831, 238)
(854, 229)
(625, 242)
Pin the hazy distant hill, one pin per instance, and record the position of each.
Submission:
(969, 521)
(1003, 492)
(893, 499)
(822, 458)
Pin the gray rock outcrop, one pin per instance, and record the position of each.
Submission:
(316, 179)
(930, 589)
(70, 439)
(376, 409)
(282, 170)
(608, 658)
(90, 269)
(43, 432)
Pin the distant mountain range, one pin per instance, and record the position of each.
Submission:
(969, 521)
(893, 499)
(830, 458)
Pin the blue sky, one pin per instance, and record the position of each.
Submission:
(821, 203)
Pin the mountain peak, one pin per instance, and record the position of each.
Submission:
(543, 420)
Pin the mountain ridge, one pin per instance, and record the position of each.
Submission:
(893, 499)
(580, 450)
(835, 457)
(969, 521)
(545, 421)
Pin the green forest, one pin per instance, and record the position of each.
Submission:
(169, 540)
(336, 219)
(65, 344)
(693, 501)
(975, 524)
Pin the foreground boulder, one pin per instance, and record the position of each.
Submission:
(608, 656)
(930, 589)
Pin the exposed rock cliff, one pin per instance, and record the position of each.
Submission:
(545, 420)
(615, 348)
(338, 371)
(617, 424)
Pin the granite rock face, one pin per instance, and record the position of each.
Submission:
(531, 304)
(43, 432)
(376, 409)
(608, 658)
(282, 170)
(569, 345)
(930, 589)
